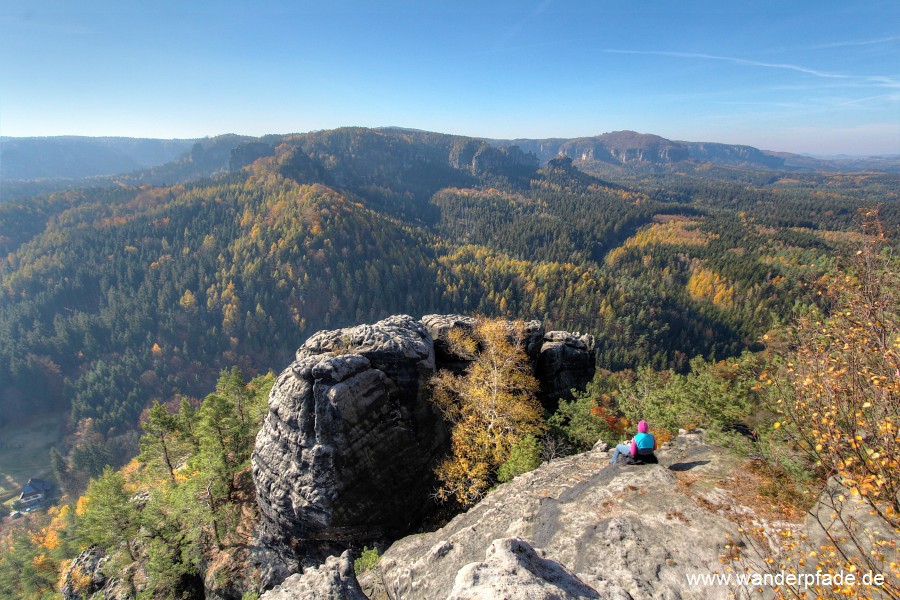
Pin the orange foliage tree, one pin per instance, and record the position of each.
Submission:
(492, 407)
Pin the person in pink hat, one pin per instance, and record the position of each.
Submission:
(642, 444)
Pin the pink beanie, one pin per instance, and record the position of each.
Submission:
(642, 427)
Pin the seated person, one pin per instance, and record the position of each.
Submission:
(642, 445)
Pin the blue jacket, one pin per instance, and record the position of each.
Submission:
(643, 443)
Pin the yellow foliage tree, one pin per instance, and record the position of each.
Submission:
(492, 407)
(838, 400)
(188, 302)
(708, 285)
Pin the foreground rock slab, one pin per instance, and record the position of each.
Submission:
(513, 570)
(334, 580)
(621, 531)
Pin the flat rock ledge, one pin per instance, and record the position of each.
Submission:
(579, 528)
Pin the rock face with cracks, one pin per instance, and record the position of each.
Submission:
(84, 576)
(439, 326)
(565, 361)
(513, 570)
(347, 449)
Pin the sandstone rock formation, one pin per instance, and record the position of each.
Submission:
(562, 360)
(625, 532)
(513, 570)
(85, 577)
(629, 147)
(565, 361)
(334, 580)
(625, 147)
(574, 528)
(533, 338)
(439, 326)
(479, 157)
(347, 450)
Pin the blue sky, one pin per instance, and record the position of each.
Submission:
(819, 77)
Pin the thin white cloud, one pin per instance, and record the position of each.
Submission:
(790, 105)
(884, 40)
(731, 59)
(517, 27)
(878, 80)
(884, 81)
(870, 99)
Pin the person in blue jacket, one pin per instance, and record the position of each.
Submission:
(643, 444)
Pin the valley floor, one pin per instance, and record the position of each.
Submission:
(25, 451)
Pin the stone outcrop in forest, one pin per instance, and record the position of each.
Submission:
(565, 361)
(562, 360)
(347, 451)
(84, 575)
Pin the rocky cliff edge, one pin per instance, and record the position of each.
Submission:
(580, 528)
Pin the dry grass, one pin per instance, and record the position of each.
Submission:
(758, 488)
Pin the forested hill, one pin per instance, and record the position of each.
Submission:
(629, 147)
(33, 166)
(72, 157)
(112, 297)
(29, 166)
(631, 151)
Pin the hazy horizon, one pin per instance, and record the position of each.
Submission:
(822, 79)
(185, 138)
